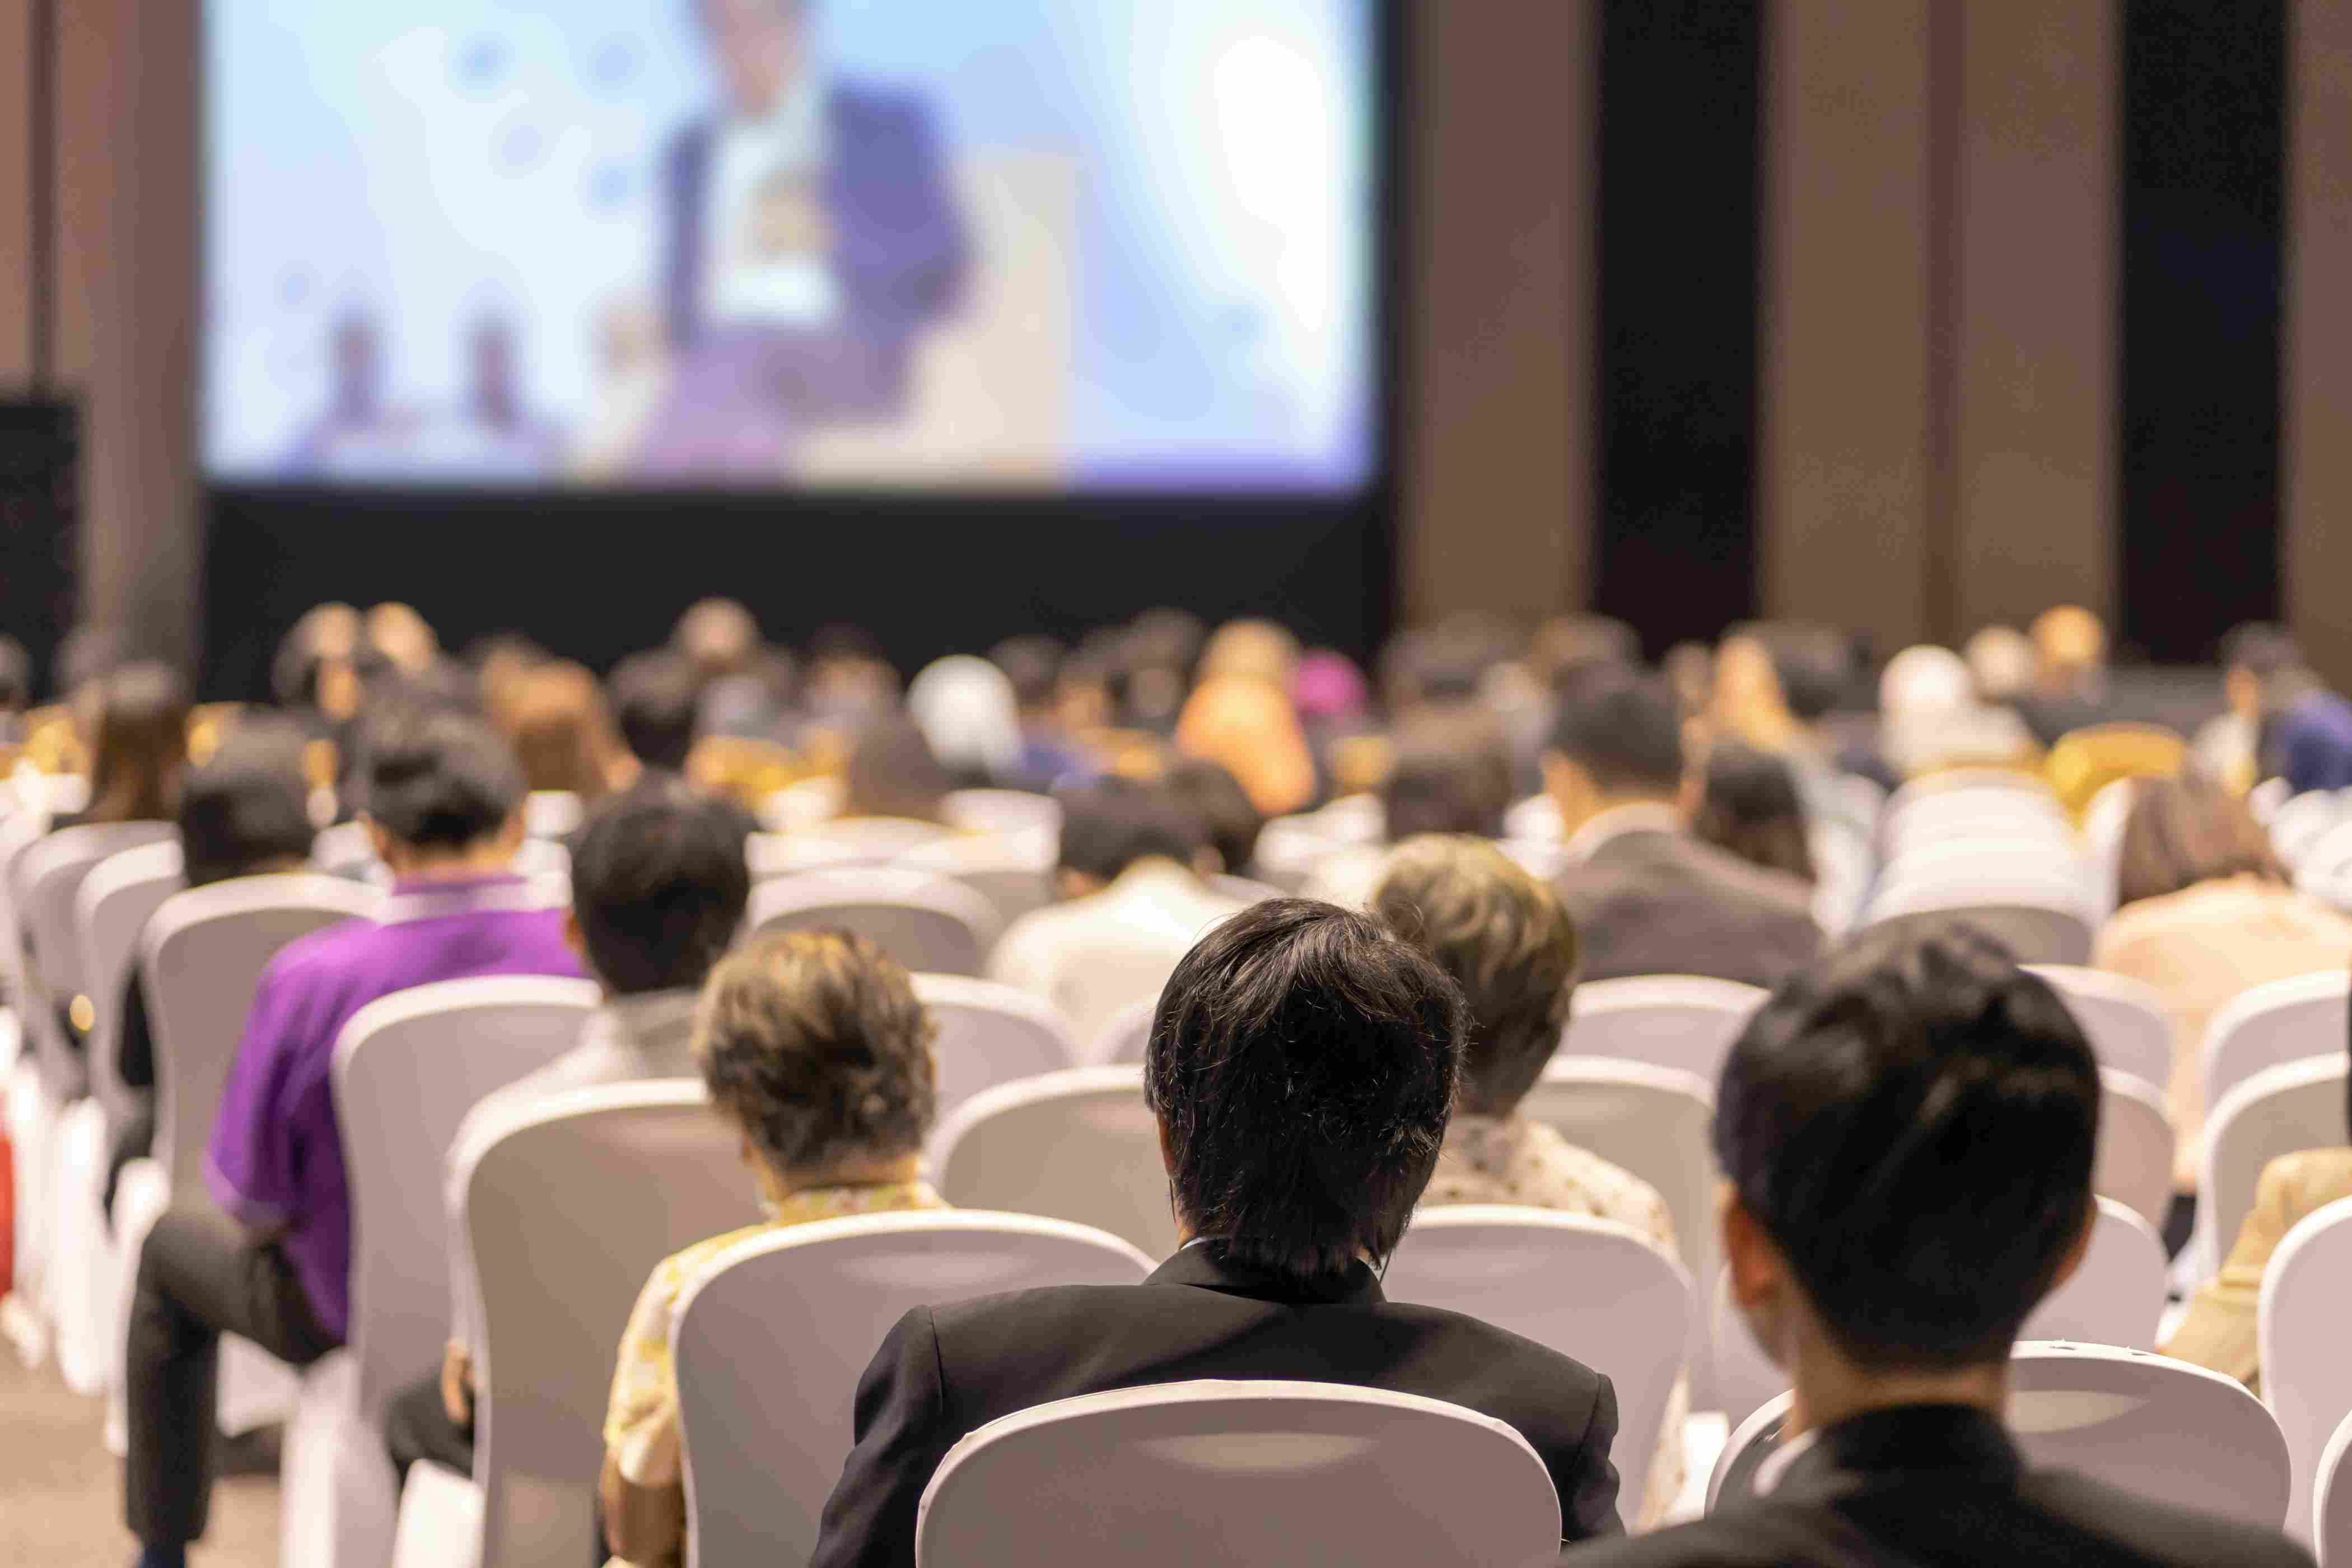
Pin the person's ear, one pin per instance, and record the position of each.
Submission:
(1759, 1276)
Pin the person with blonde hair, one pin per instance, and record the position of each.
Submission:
(562, 731)
(1250, 726)
(2070, 674)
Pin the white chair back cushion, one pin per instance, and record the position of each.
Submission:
(407, 1069)
(48, 879)
(2277, 1112)
(1589, 1289)
(111, 911)
(1079, 1145)
(2133, 1163)
(2300, 1323)
(1681, 1021)
(566, 1216)
(2283, 1021)
(1239, 1473)
(1123, 1040)
(1002, 811)
(2332, 1502)
(2123, 1017)
(1014, 871)
(990, 1035)
(2117, 1294)
(770, 1345)
(930, 924)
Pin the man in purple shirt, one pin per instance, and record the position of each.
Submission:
(443, 796)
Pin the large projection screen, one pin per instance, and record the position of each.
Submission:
(1049, 247)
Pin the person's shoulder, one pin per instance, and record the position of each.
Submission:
(879, 107)
(2157, 1532)
(1760, 1533)
(1731, 878)
(2308, 1179)
(322, 961)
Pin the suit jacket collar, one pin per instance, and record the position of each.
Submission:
(1948, 1439)
(1205, 1264)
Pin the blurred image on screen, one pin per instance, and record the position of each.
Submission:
(1055, 244)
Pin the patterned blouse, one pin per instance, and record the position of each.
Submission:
(641, 1422)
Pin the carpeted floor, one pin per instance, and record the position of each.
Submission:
(61, 1491)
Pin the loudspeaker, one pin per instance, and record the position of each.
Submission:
(40, 506)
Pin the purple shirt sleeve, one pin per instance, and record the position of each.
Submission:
(255, 1160)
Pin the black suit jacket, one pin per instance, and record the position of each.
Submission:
(1939, 1486)
(1649, 902)
(946, 1371)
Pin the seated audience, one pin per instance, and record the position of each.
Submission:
(1248, 726)
(1450, 772)
(15, 688)
(659, 889)
(1502, 936)
(654, 697)
(966, 709)
(719, 637)
(1302, 1066)
(1748, 803)
(1034, 666)
(849, 682)
(1647, 897)
(2205, 910)
(315, 677)
(892, 773)
(2219, 1329)
(1133, 904)
(272, 1263)
(1217, 801)
(2000, 662)
(1777, 686)
(1931, 719)
(134, 720)
(564, 735)
(2070, 675)
(1885, 1243)
(816, 1047)
(2256, 660)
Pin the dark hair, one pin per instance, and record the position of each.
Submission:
(1452, 774)
(1216, 799)
(1749, 805)
(892, 772)
(562, 733)
(1913, 1121)
(1034, 665)
(654, 696)
(15, 675)
(1502, 936)
(2261, 649)
(718, 637)
(1111, 823)
(814, 1043)
(139, 745)
(659, 885)
(437, 778)
(246, 804)
(1625, 731)
(1302, 1064)
(1569, 648)
(2184, 831)
(1814, 664)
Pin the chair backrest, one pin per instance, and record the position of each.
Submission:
(116, 901)
(2331, 1524)
(2283, 1021)
(202, 956)
(2165, 1429)
(1002, 811)
(930, 924)
(1243, 1473)
(2302, 821)
(991, 1035)
(47, 881)
(866, 840)
(2277, 1112)
(2134, 1161)
(1589, 1289)
(1014, 871)
(1079, 1145)
(2123, 1017)
(770, 1345)
(2039, 923)
(551, 812)
(1683, 1021)
(1121, 1041)
(2117, 1294)
(566, 1215)
(2306, 1376)
(407, 1069)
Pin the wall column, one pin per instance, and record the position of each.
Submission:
(2316, 463)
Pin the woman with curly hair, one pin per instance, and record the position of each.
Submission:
(816, 1050)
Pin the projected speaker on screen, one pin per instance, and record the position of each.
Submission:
(1037, 244)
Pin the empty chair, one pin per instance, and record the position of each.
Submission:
(807, 1306)
(2300, 1325)
(1243, 1473)
(111, 911)
(2331, 1525)
(929, 924)
(2117, 1294)
(2283, 1021)
(1014, 871)
(991, 1035)
(1589, 1289)
(45, 880)
(2277, 1112)
(2134, 1158)
(1681, 1021)
(1079, 1145)
(2124, 1018)
(1123, 1039)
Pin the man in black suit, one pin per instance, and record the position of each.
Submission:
(1647, 897)
(1906, 1136)
(1302, 1065)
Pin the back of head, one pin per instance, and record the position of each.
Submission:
(326, 637)
(2069, 645)
(654, 696)
(815, 1044)
(247, 806)
(1502, 936)
(395, 633)
(1250, 727)
(1214, 799)
(15, 676)
(892, 772)
(1750, 806)
(437, 779)
(1452, 774)
(1302, 1064)
(1925, 680)
(1625, 731)
(2261, 649)
(1114, 823)
(1250, 650)
(718, 637)
(563, 733)
(1912, 1122)
(139, 743)
(967, 710)
(2000, 661)
(1567, 648)
(2185, 831)
(1812, 664)
(659, 885)
(1032, 665)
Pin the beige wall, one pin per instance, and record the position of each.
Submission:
(2316, 462)
(15, 195)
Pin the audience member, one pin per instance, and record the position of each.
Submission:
(1885, 1243)
(718, 637)
(1302, 1066)
(1249, 727)
(1776, 684)
(1134, 903)
(136, 721)
(1217, 800)
(1449, 774)
(1035, 668)
(564, 735)
(15, 688)
(1647, 897)
(397, 635)
(654, 696)
(1503, 937)
(849, 682)
(2000, 662)
(2204, 911)
(315, 676)
(1931, 719)
(1255, 650)
(967, 710)
(2070, 675)
(271, 1264)
(892, 773)
(815, 1046)
(659, 889)
(2258, 662)
(1747, 803)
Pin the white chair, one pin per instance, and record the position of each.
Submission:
(2104, 822)
(991, 1035)
(1684, 1021)
(2331, 1525)
(929, 924)
(995, 811)
(1587, 1287)
(565, 1216)
(2301, 821)
(1079, 1145)
(1535, 817)
(551, 812)
(2306, 1376)
(2117, 1294)
(2125, 1018)
(1123, 1039)
(2167, 1430)
(1244, 891)
(2279, 1111)
(2283, 1021)
(47, 879)
(1014, 871)
(117, 899)
(338, 1504)
(1745, 1378)
(770, 1345)
(1246, 1473)
(2044, 916)
(865, 840)
(2134, 1161)
(1842, 868)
